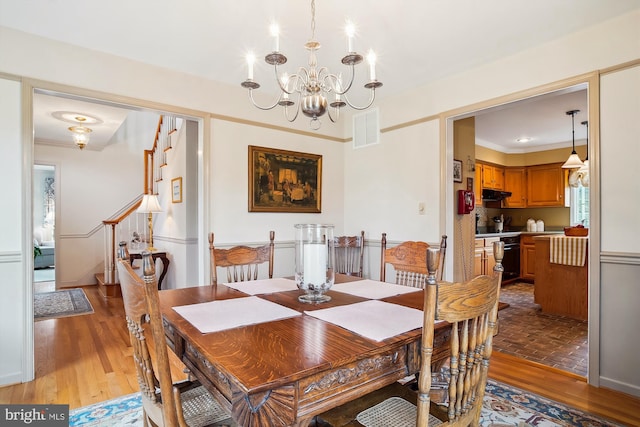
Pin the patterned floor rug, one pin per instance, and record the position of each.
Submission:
(62, 303)
(503, 406)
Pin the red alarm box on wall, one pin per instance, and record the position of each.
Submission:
(466, 202)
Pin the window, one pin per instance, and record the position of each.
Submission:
(580, 205)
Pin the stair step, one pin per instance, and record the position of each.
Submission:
(107, 290)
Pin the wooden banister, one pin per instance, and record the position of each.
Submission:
(123, 215)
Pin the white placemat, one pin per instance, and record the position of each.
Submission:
(377, 320)
(264, 286)
(373, 289)
(232, 313)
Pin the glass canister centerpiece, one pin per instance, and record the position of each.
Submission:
(315, 260)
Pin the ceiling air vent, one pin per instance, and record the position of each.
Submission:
(366, 129)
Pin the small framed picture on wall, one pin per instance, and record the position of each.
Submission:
(176, 190)
(457, 170)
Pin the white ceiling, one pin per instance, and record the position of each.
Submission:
(416, 41)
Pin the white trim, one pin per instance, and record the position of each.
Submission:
(28, 88)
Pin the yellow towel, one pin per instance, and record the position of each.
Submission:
(568, 250)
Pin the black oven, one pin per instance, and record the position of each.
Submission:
(511, 260)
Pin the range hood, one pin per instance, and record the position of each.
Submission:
(491, 195)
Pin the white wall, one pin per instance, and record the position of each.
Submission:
(230, 219)
(16, 316)
(85, 196)
(384, 185)
(605, 45)
(620, 262)
(175, 229)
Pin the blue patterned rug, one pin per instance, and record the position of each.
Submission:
(60, 303)
(503, 406)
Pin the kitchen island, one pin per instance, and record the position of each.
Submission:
(560, 288)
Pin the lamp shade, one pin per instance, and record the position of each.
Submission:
(573, 162)
(149, 204)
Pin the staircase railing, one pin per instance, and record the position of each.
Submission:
(110, 239)
(154, 160)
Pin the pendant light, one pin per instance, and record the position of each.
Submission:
(573, 161)
(583, 172)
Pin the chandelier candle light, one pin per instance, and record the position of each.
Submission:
(312, 86)
(314, 261)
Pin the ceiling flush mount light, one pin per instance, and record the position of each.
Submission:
(523, 140)
(80, 133)
(573, 161)
(312, 86)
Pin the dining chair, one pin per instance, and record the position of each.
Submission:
(164, 403)
(241, 262)
(409, 261)
(349, 254)
(470, 310)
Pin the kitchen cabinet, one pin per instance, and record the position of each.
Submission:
(477, 185)
(515, 182)
(483, 259)
(527, 257)
(492, 176)
(545, 185)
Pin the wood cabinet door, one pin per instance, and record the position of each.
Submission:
(527, 257)
(478, 262)
(492, 177)
(477, 185)
(498, 178)
(515, 181)
(490, 260)
(545, 185)
(478, 258)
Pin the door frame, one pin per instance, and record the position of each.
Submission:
(592, 82)
(29, 86)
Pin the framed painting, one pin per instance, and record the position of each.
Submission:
(457, 170)
(284, 181)
(176, 190)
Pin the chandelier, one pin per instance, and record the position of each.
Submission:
(309, 89)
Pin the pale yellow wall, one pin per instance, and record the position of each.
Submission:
(527, 159)
(464, 229)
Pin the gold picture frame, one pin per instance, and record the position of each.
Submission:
(176, 190)
(284, 181)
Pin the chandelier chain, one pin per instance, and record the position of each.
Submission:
(313, 19)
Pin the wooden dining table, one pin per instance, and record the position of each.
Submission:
(285, 372)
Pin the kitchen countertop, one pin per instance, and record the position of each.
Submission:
(518, 233)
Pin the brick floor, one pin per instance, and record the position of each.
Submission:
(524, 331)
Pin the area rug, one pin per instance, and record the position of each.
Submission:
(62, 303)
(503, 406)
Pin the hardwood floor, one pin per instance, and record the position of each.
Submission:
(86, 359)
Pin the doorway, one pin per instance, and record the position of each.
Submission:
(44, 226)
(462, 230)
